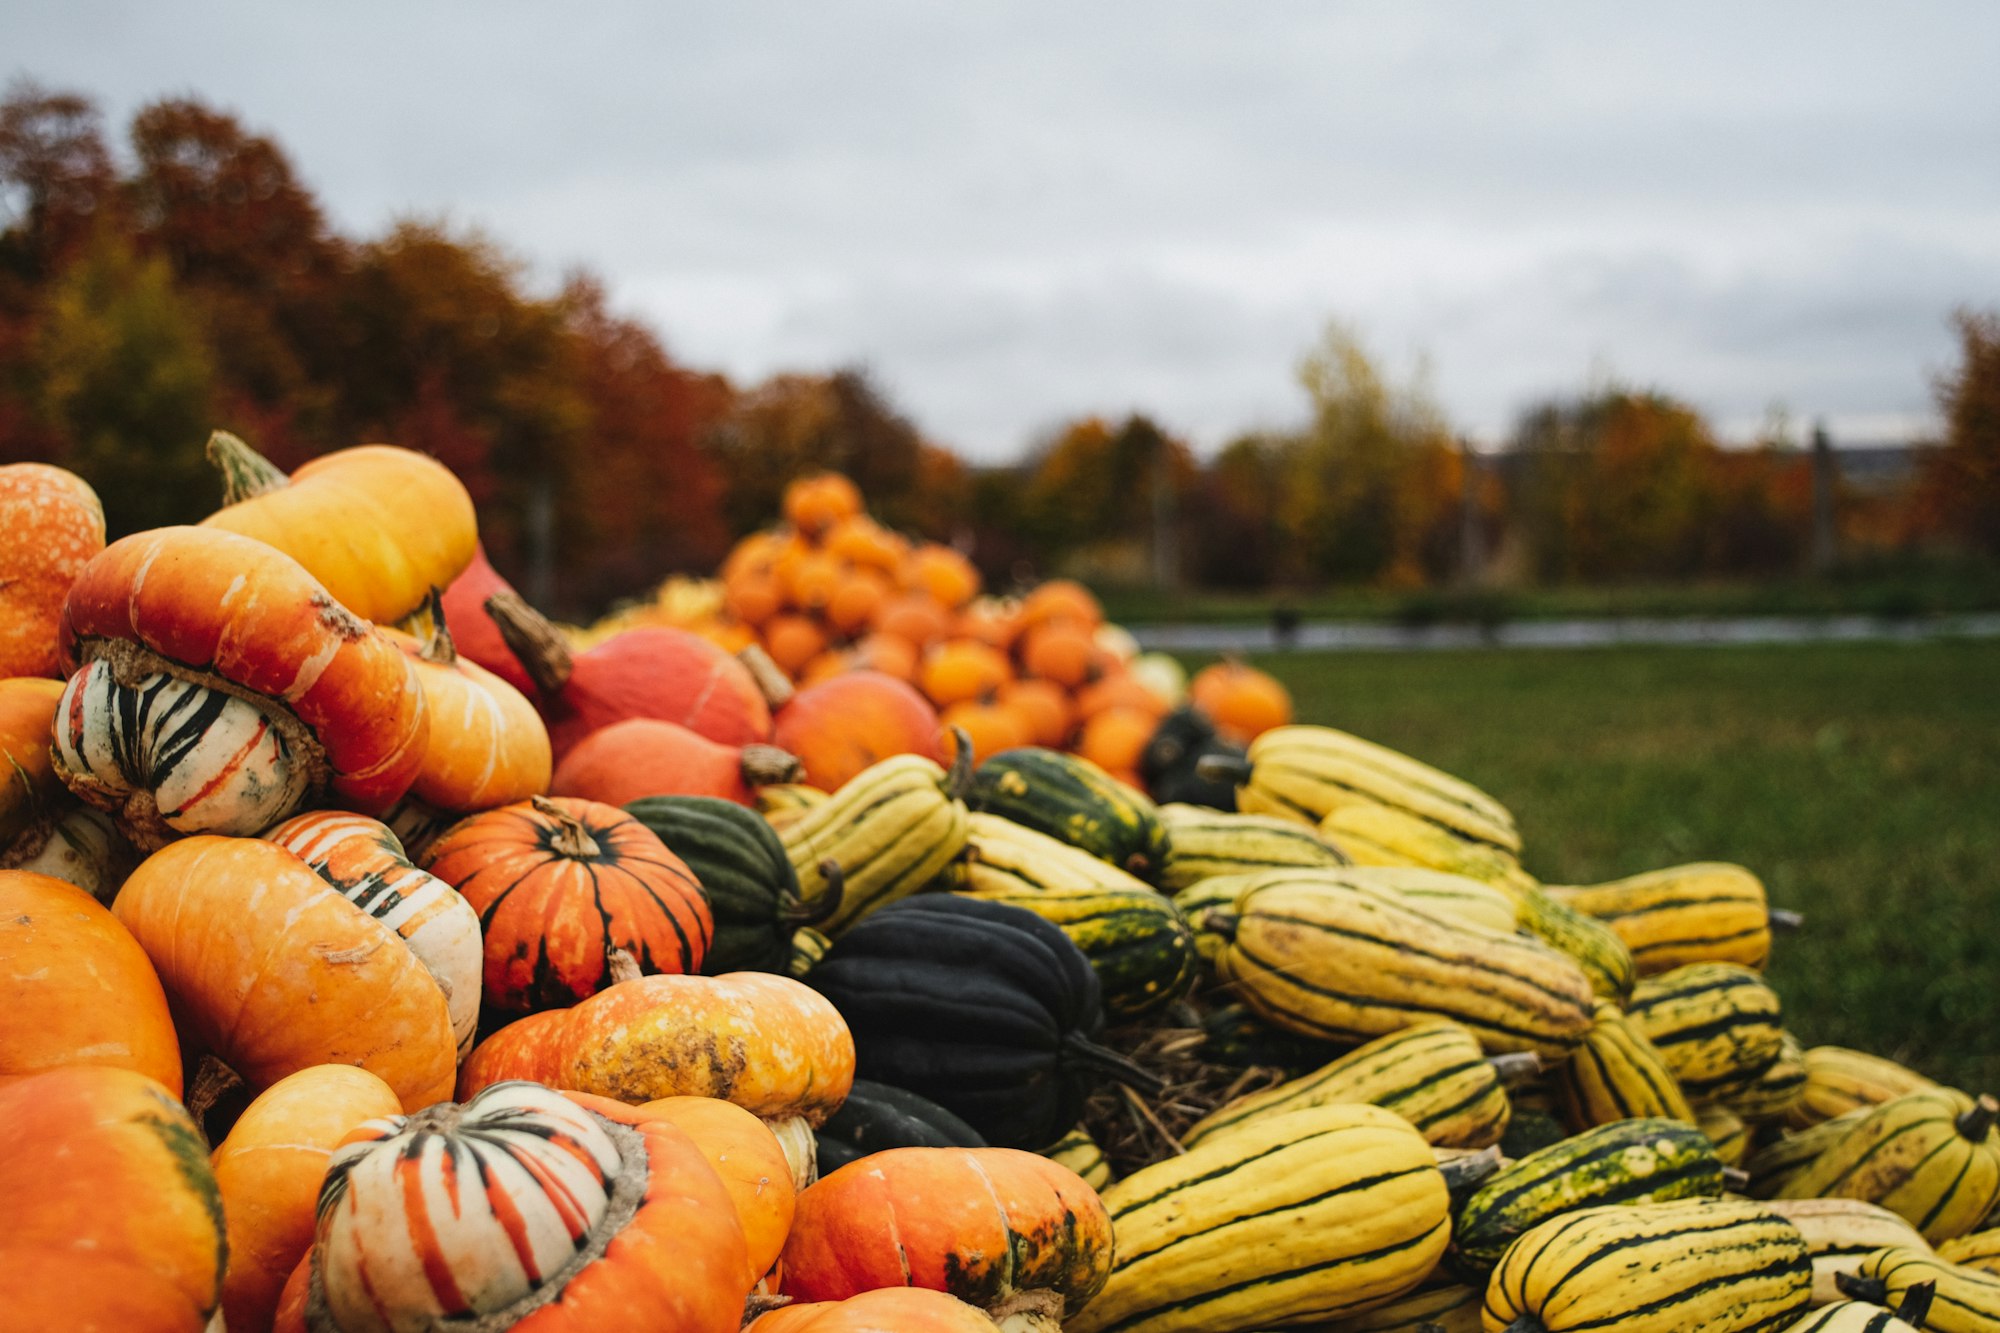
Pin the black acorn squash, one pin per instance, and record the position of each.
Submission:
(876, 1116)
(1167, 765)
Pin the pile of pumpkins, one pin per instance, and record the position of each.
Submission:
(352, 984)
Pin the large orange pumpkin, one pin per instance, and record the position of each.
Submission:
(884, 1310)
(996, 1227)
(750, 1161)
(559, 885)
(54, 526)
(1242, 701)
(113, 1221)
(271, 970)
(643, 756)
(269, 1170)
(76, 988)
(218, 687)
(523, 1208)
(842, 725)
(378, 526)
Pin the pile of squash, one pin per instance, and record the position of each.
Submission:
(375, 956)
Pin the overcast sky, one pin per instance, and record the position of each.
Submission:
(1014, 214)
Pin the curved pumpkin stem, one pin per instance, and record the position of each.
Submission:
(572, 838)
(433, 635)
(213, 1080)
(1735, 1179)
(531, 637)
(1785, 919)
(762, 1303)
(1464, 1172)
(1230, 768)
(622, 965)
(1113, 1065)
(828, 903)
(770, 678)
(1978, 1122)
(959, 780)
(767, 765)
(1871, 1289)
(1515, 1067)
(246, 474)
(1217, 922)
(1916, 1304)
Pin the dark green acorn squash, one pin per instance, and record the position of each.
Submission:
(1167, 765)
(1240, 1039)
(744, 872)
(1072, 799)
(985, 1009)
(876, 1116)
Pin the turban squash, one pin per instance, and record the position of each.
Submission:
(42, 827)
(217, 687)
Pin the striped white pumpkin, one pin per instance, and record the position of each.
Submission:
(174, 756)
(362, 859)
(465, 1209)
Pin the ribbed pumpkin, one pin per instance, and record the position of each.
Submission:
(560, 884)
(524, 1208)
(985, 1009)
(364, 862)
(752, 891)
(76, 988)
(377, 525)
(271, 970)
(269, 1171)
(901, 1309)
(1008, 1231)
(652, 671)
(846, 724)
(643, 756)
(488, 746)
(216, 686)
(474, 633)
(54, 525)
(112, 1217)
(751, 1163)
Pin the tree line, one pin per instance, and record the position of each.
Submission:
(188, 280)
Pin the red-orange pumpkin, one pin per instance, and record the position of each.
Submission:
(845, 724)
(522, 1209)
(54, 525)
(1001, 1229)
(271, 970)
(269, 1171)
(217, 687)
(473, 632)
(559, 884)
(76, 988)
(113, 1221)
(651, 671)
(643, 756)
(884, 1310)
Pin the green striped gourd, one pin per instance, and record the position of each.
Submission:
(1595, 946)
(1073, 800)
(1773, 1165)
(1840, 1233)
(1438, 1306)
(1434, 1075)
(1772, 1090)
(1726, 1130)
(1691, 1266)
(1963, 1300)
(1080, 1153)
(1839, 1080)
(1137, 942)
(1203, 843)
(890, 830)
(1931, 1157)
(1980, 1249)
(1616, 1074)
(1707, 912)
(808, 947)
(1715, 1024)
(1340, 961)
(1631, 1161)
(1308, 1216)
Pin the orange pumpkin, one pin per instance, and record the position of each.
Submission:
(752, 596)
(864, 543)
(915, 617)
(378, 526)
(1116, 737)
(754, 552)
(751, 1163)
(998, 1228)
(962, 669)
(76, 987)
(991, 622)
(217, 687)
(793, 640)
(857, 600)
(559, 884)
(54, 526)
(884, 1310)
(272, 971)
(1061, 651)
(814, 503)
(1119, 689)
(473, 633)
(524, 1208)
(773, 1046)
(113, 1219)
(1043, 709)
(643, 756)
(269, 1171)
(848, 723)
(943, 573)
(990, 727)
(31, 795)
(1061, 600)
(890, 654)
(1242, 701)
(812, 580)
(487, 744)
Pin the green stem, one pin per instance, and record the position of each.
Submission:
(1114, 1065)
(827, 904)
(1916, 1304)
(1871, 1289)
(246, 474)
(1978, 1122)
(1231, 768)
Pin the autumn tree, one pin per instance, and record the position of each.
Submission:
(1098, 491)
(1962, 481)
(57, 183)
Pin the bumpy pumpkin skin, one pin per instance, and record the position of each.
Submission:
(749, 1160)
(552, 1212)
(272, 970)
(774, 1047)
(76, 988)
(269, 1171)
(901, 1309)
(982, 1224)
(113, 1221)
(54, 525)
(560, 885)
(239, 617)
(377, 525)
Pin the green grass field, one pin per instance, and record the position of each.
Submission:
(1862, 782)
